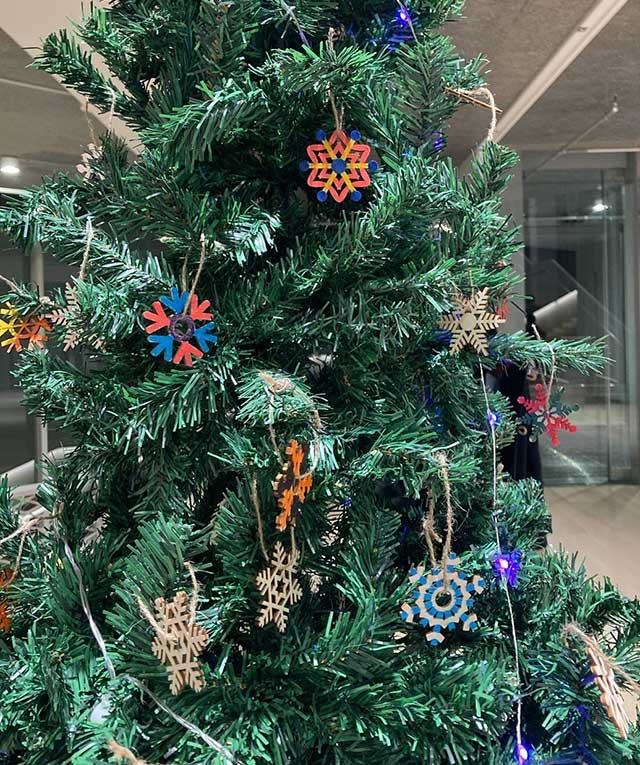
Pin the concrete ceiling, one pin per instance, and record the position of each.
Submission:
(519, 37)
(609, 66)
(45, 127)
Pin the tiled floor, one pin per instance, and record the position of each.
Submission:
(602, 524)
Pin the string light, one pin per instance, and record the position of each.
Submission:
(439, 142)
(523, 754)
(403, 17)
(507, 566)
(493, 419)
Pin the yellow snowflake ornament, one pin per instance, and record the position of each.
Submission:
(179, 641)
(470, 323)
(22, 332)
(279, 587)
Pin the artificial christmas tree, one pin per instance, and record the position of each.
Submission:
(230, 548)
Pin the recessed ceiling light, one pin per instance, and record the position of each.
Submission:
(599, 206)
(9, 166)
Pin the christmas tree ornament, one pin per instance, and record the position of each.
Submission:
(179, 641)
(339, 165)
(610, 696)
(470, 323)
(547, 415)
(88, 159)
(70, 317)
(22, 332)
(442, 599)
(503, 310)
(293, 484)
(6, 577)
(279, 587)
(180, 327)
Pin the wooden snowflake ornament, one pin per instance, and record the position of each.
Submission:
(179, 642)
(6, 577)
(70, 317)
(279, 587)
(470, 323)
(88, 159)
(339, 165)
(441, 604)
(22, 332)
(610, 695)
(293, 484)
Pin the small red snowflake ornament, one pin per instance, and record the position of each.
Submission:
(547, 415)
(339, 165)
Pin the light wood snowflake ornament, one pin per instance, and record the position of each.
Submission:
(610, 695)
(470, 323)
(279, 587)
(70, 317)
(179, 641)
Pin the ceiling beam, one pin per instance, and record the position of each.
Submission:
(590, 26)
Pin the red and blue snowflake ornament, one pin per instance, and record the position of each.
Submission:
(548, 415)
(174, 335)
(339, 165)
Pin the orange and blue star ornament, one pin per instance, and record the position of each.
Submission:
(180, 329)
(339, 165)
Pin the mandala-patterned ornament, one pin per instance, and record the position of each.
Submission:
(279, 587)
(181, 327)
(179, 642)
(293, 484)
(22, 332)
(547, 416)
(441, 604)
(6, 577)
(339, 165)
(470, 323)
(610, 695)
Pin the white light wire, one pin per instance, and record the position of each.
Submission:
(505, 585)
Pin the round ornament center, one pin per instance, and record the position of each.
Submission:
(468, 321)
(338, 165)
(181, 327)
(444, 599)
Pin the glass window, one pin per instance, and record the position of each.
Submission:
(579, 264)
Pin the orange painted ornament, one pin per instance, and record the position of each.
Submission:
(339, 165)
(22, 332)
(293, 484)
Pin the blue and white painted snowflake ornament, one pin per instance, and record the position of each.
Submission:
(440, 603)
